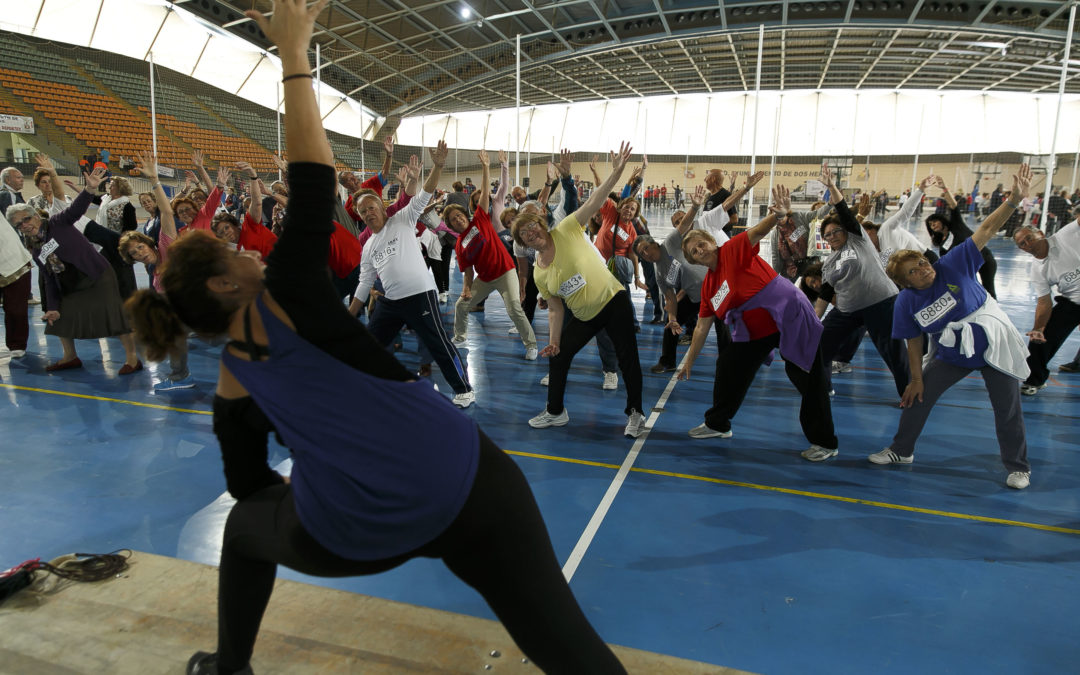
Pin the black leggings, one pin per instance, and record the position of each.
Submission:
(498, 544)
(617, 318)
(736, 367)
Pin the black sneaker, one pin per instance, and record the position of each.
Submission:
(1071, 367)
(661, 368)
(205, 663)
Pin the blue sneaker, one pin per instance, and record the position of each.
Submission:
(169, 384)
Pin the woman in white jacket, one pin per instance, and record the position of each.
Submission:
(968, 331)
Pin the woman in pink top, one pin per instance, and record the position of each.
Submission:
(137, 247)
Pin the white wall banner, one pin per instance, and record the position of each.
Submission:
(17, 124)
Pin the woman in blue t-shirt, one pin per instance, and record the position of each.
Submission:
(968, 331)
(370, 488)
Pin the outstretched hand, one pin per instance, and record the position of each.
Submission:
(147, 164)
(388, 145)
(1022, 182)
(483, 157)
(827, 175)
(438, 153)
(698, 198)
(565, 162)
(751, 181)
(502, 157)
(781, 201)
(94, 178)
(246, 169)
(45, 163)
(618, 161)
(223, 174)
(413, 167)
(289, 27)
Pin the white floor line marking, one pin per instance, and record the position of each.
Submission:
(616, 484)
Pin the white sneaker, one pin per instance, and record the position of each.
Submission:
(33, 301)
(443, 297)
(513, 330)
(635, 424)
(546, 419)
(816, 453)
(464, 400)
(703, 431)
(18, 353)
(530, 354)
(458, 341)
(544, 380)
(611, 381)
(1031, 389)
(839, 367)
(887, 456)
(1019, 479)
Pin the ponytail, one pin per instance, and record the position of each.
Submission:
(156, 323)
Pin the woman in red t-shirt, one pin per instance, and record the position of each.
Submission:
(766, 312)
(482, 256)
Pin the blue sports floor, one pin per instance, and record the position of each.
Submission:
(735, 552)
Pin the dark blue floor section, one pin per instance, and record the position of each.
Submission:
(736, 575)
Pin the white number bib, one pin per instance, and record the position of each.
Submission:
(718, 299)
(469, 238)
(672, 277)
(935, 310)
(797, 234)
(47, 250)
(623, 234)
(843, 257)
(571, 285)
(383, 255)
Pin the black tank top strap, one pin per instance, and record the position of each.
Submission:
(256, 351)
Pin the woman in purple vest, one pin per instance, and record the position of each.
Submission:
(82, 295)
(368, 490)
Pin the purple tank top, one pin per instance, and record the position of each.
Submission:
(379, 467)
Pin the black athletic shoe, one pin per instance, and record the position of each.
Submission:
(205, 663)
(661, 368)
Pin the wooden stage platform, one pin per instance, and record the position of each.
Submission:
(154, 616)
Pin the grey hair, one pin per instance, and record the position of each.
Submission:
(15, 211)
(7, 172)
(533, 204)
(640, 241)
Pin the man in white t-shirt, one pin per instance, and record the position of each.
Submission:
(1058, 264)
(409, 296)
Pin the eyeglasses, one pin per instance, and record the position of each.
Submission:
(24, 221)
(832, 233)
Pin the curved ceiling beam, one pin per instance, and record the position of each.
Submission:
(1053, 39)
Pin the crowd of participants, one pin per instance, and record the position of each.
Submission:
(301, 279)
(575, 249)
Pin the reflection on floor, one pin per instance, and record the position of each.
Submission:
(733, 552)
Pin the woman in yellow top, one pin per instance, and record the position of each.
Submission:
(570, 273)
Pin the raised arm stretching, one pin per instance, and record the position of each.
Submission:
(147, 164)
(618, 162)
(996, 220)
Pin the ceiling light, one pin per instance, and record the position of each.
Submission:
(466, 12)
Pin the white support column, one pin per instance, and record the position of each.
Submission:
(318, 77)
(517, 104)
(153, 106)
(753, 139)
(277, 88)
(1057, 117)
